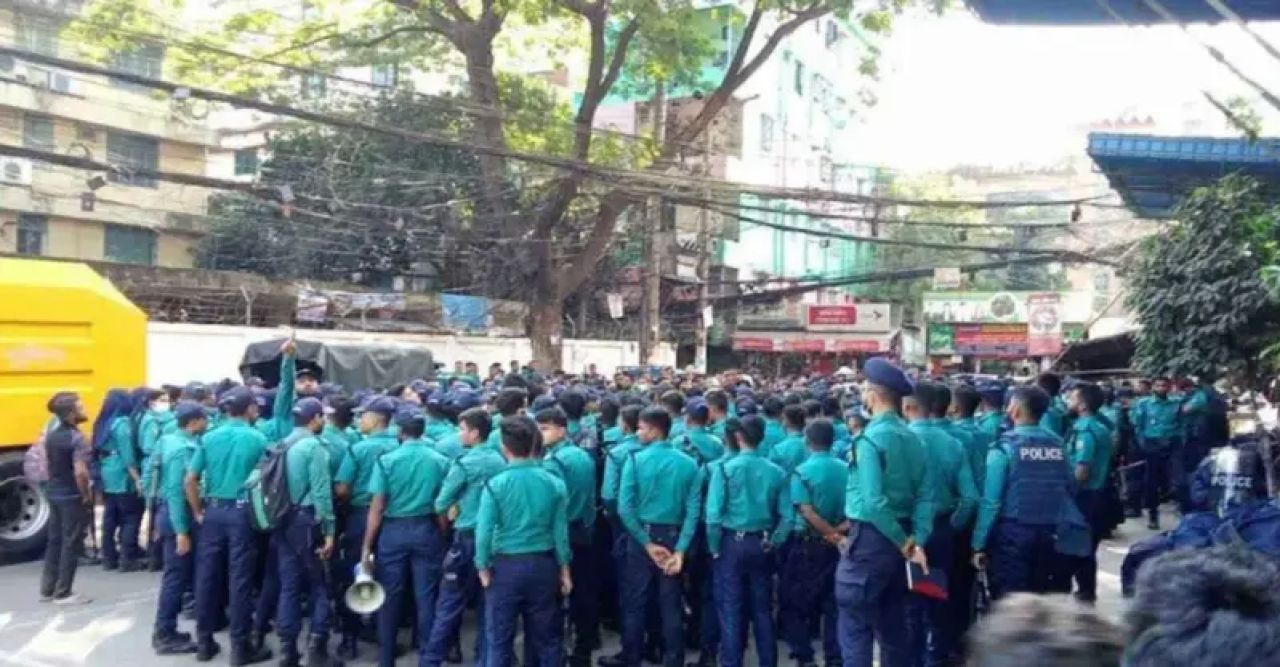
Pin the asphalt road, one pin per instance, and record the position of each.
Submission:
(116, 628)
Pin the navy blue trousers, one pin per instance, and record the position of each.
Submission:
(930, 622)
(744, 582)
(302, 576)
(871, 596)
(179, 573)
(806, 598)
(459, 588)
(640, 580)
(225, 556)
(524, 589)
(1024, 559)
(121, 525)
(410, 552)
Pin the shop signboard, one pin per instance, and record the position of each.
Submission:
(860, 317)
(991, 340)
(1044, 325)
(1001, 307)
(753, 344)
(940, 340)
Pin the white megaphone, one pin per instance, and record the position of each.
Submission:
(365, 596)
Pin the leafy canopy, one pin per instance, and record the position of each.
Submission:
(1197, 289)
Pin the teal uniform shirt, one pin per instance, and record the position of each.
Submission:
(891, 480)
(357, 468)
(716, 429)
(450, 446)
(410, 476)
(226, 457)
(614, 459)
(466, 479)
(789, 453)
(820, 482)
(774, 433)
(280, 426)
(338, 442)
(989, 425)
(842, 430)
(1091, 446)
(994, 484)
(749, 493)
(1054, 420)
(679, 428)
(698, 442)
(1156, 419)
(575, 466)
(612, 435)
(523, 510)
(150, 428)
(495, 436)
(955, 493)
(310, 478)
(439, 429)
(975, 447)
(175, 452)
(118, 456)
(660, 485)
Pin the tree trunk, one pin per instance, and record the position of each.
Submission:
(546, 328)
(482, 85)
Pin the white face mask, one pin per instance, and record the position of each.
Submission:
(160, 407)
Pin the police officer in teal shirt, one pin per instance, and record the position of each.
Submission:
(806, 597)
(990, 417)
(891, 510)
(176, 527)
(406, 532)
(1028, 485)
(748, 515)
(718, 407)
(467, 477)
(352, 482)
(659, 503)
(1158, 430)
(697, 441)
(774, 431)
(1055, 419)
(523, 552)
(122, 501)
(228, 546)
(615, 457)
(674, 403)
(1090, 446)
(577, 469)
(790, 452)
(304, 540)
(509, 403)
(934, 639)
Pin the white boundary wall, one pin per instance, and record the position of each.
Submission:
(181, 353)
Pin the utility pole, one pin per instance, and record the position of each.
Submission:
(704, 258)
(651, 266)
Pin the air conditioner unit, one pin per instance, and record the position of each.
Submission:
(15, 171)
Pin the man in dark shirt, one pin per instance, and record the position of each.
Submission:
(70, 499)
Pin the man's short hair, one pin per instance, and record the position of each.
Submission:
(519, 435)
(753, 429)
(478, 420)
(821, 434)
(795, 416)
(630, 417)
(967, 400)
(673, 401)
(554, 416)
(1033, 398)
(510, 401)
(659, 417)
(1092, 396)
(574, 404)
(717, 400)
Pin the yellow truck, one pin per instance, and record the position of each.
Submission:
(63, 327)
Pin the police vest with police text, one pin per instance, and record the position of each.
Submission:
(1039, 478)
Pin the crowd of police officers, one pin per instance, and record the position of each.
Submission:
(705, 519)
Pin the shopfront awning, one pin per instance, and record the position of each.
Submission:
(802, 342)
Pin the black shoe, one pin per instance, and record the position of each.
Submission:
(289, 656)
(704, 660)
(155, 566)
(206, 649)
(1152, 524)
(348, 648)
(110, 567)
(172, 644)
(181, 636)
(810, 663)
(615, 660)
(454, 656)
(257, 639)
(1132, 513)
(249, 655)
(318, 655)
(130, 566)
(653, 655)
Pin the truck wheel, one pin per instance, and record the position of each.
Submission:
(24, 512)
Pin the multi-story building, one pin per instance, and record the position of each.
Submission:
(787, 126)
(117, 215)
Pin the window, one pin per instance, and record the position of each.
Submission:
(144, 60)
(766, 133)
(833, 35)
(129, 245)
(33, 234)
(247, 162)
(314, 85)
(385, 75)
(38, 34)
(37, 133)
(799, 78)
(724, 32)
(130, 152)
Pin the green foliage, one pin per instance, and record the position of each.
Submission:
(1197, 289)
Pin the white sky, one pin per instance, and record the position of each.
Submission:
(954, 90)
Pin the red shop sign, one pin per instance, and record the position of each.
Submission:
(753, 344)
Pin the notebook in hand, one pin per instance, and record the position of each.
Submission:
(932, 585)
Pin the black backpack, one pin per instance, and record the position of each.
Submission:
(268, 487)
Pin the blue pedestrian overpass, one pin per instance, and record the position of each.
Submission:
(1105, 12)
(1153, 173)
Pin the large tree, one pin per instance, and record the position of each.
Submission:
(1197, 288)
(567, 218)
